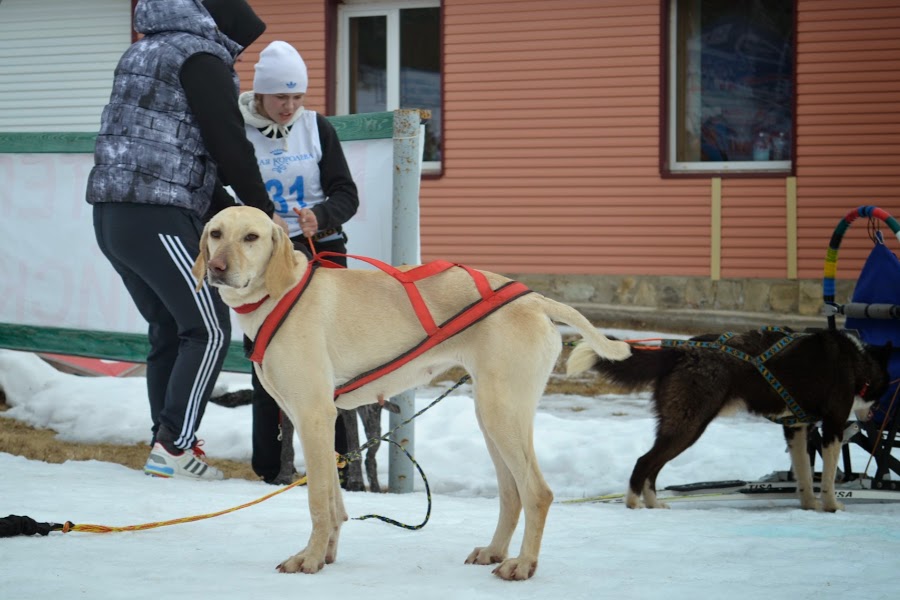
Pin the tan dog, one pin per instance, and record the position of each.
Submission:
(350, 321)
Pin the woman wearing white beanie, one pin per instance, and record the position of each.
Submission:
(303, 166)
(280, 70)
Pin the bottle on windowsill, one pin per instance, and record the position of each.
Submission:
(761, 149)
(780, 149)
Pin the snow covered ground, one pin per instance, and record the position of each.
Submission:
(586, 446)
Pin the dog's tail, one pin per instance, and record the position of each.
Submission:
(635, 373)
(598, 343)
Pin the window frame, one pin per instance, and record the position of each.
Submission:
(390, 9)
(669, 165)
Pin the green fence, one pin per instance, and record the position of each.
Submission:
(133, 347)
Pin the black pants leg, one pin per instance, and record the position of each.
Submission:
(153, 248)
(266, 458)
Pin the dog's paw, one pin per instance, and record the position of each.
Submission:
(810, 503)
(485, 556)
(832, 506)
(301, 563)
(516, 569)
(633, 500)
(651, 500)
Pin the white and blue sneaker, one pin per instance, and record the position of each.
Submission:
(187, 465)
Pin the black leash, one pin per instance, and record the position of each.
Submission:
(357, 455)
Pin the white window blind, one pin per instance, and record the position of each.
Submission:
(56, 62)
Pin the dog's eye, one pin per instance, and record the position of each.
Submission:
(215, 234)
(251, 237)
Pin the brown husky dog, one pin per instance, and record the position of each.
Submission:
(822, 376)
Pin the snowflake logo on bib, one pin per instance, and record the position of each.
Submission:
(279, 165)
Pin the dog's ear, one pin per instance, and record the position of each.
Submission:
(199, 268)
(280, 270)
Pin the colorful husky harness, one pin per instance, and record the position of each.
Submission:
(490, 301)
(760, 363)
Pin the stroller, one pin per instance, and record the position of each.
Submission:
(874, 313)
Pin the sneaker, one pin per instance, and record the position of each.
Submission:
(189, 465)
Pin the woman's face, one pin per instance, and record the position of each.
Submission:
(280, 107)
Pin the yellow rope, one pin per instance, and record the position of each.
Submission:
(89, 528)
(341, 462)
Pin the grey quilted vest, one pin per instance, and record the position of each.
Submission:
(149, 149)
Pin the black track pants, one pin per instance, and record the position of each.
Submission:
(153, 248)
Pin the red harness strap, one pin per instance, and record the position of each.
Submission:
(275, 318)
(490, 301)
(462, 320)
(410, 277)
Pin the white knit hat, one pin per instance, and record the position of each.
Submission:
(280, 70)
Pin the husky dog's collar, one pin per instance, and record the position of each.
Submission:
(249, 308)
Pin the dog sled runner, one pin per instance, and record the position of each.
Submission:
(874, 315)
(780, 485)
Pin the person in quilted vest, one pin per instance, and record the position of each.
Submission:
(170, 138)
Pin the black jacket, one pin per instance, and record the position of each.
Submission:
(209, 87)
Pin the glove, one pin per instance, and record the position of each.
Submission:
(16, 525)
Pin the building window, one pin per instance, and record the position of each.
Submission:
(730, 86)
(389, 57)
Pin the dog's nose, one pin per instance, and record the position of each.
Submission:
(217, 264)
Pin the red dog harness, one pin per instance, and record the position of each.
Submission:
(490, 301)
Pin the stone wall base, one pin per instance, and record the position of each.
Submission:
(690, 303)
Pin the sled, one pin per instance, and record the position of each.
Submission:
(874, 314)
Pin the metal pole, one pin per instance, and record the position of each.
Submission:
(405, 250)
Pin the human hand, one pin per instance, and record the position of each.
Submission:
(278, 220)
(309, 224)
